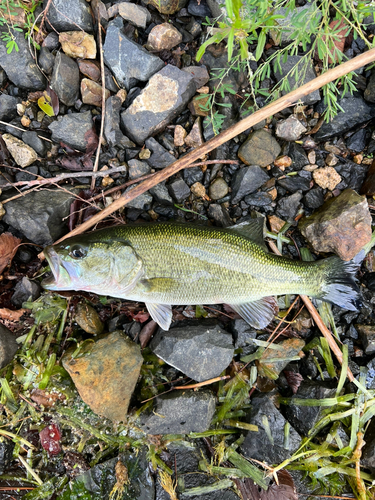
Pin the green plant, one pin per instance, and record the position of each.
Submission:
(7, 11)
(314, 31)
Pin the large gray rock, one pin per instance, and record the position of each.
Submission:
(180, 413)
(19, 66)
(65, 79)
(39, 215)
(128, 61)
(112, 131)
(8, 346)
(73, 130)
(8, 107)
(200, 352)
(246, 181)
(68, 15)
(149, 113)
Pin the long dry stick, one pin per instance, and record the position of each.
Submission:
(275, 107)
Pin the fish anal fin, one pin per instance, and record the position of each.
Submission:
(161, 314)
(253, 230)
(258, 313)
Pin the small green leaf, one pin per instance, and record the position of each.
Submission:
(44, 103)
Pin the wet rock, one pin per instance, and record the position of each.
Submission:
(66, 15)
(39, 215)
(22, 154)
(167, 6)
(19, 66)
(78, 44)
(326, 178)
(260, 148)
(138, 169)
(92, 92)
(179, 190)
(196, 106)
(6, 452)
(220, 215)
(128, 61)
(355, 111)
(260, 199)
(25, 290)
(247, 180)
(46, 60)
(288, 206)
(192, 175)
(65, 79)
(33, 140)
(199, 8)
(218, 189)
(160, 157)
(370, 89)
(179, 135)
(290, 129)
(163, 37)
(51, 42)
(8, 348)
(268, 444)
(294, 183)
(136, 14)
(188, 348)
(180, 413)
(357, 142)
(141, 202)
(148, 114)
(88, 319)
(273, 362)
(199, 74)
(298, 156)
(352, 175)
(24, 175)
(342, 225)
(112, 131)
(8, 107)
(90, 69)
(367, 336)
(195, 138)
(304, 77)
(105, 374)
(101, 479)
(161, 194)
(73, 129)
(243, 333)
(314, 198)
(303, 418)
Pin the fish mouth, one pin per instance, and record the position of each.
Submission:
(52, 281)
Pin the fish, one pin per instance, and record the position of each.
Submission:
(165, 264)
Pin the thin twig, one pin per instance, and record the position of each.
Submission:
(23, 130)
(201, 384)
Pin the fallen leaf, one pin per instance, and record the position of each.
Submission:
(8, 248)
(47, 399)
(285, 490)
(44, 103)
(141, 316)
(10, 315)
(50, 439)
(54, 100)
(147, 332)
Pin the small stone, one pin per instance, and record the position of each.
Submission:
(246, 181)
(179, 135)
(288, 206)
(342, 225)
(326, 178)
(136, 14)
(8, 107)
(25, 121)
(138, 169)
(310, 168)
(197, 104)
(298, 156)
(118, 361)
(22, 154)
(8, 348)
(275, 223)
(294, 183)
(161, 194)
(271, 366)
(112, 131)
(92, 92)
(88, 319)
(218, 189)
(358, 159)
(179, 190)
(367, 336)
(220, 215)
(260, 148)
(290, 129)
(331, 160)
(198, 190)
(141, 202)
(65, 79)
(312, 157)
(91, 69)
(66, 15)
(283, 162)
(73, 129)
(163, 37)
(260, 199)
(195, 138)
(78, 44)
(167, 6)
(314, 198)
(144, 154)
(199, 74)
(25, 290)
(357, 142)
(34, 141)
(160, 157)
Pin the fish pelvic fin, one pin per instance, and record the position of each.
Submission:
(340, 285)
(258, 313)
(161, 314)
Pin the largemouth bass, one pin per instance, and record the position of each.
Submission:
(167, 264)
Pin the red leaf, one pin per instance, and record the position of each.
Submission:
(8, 248)
(294, 380)
(285, 490)
(50, 439)
(141, 316)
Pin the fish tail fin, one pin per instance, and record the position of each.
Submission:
(339, 286)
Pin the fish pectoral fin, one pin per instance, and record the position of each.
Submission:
(161, 314)
(160, 285)
(258, 313)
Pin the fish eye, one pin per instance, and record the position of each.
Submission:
(77, 252)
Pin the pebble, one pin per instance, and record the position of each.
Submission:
(179, 190)
(283, 162)
(298, 156)
(312, 157)
(8, 107)
(275, 223)
(112, 131)
(72, 129)
(246, 181)
(88, 68)
(136, 14)
(46, 60)
(199, 74)
(260, 148)
(144, 154)
(367, 336)
(25, 290)
(331, 160)
(88, 319)
(195, 138)
(197, 104)
(65, 79)
(163, 37)
(138, 169)
(160, 157)
(141, 202)
(118, 360)
(66, 15)
(287, 207)
(78, 44)
(167, 6)
(342, 225)
(218, 189)
(370, 89)
(314, 198)
(198, 190)
(92, 92)
(326, 178)
(22, 154)
(8, 348)
(290, 129)
(357, 141)
(220, 215)
(161, 194)
(179, 136)
(294, 183)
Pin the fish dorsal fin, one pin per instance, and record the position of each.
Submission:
(161, 314)
(252, 229)
(258, 313)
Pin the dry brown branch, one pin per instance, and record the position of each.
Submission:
(283, 102)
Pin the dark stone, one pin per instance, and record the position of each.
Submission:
(73, 129)
(357, 142)
(39, 215)
(179, 190)
(112, 131)
(65, 79)
(294, 183)
(243, 333)
(352, 175)
(246, 181)
(220, 215)
(160, 157)
(304, 77)
(367, 336)
(33, 140)
(65, 15)
(199, 9)
(138, 168)
(192, 175)
(180, 413)
(303, 418)
(314, 198)
(260, 199)
(199, 74)
(260, 148)
(188, 348)
(355, 111)
(288, 206)
(25, 290)
(298, 156)
(27, 174)
(46, 60)
(370, 89)
(51, 42)
(8, 107)
(128, 60)
(8, 348)
(368, 452)
(161, 194)
(6, 452)
(141, 202)
(268, 444)
(169, 212)
(167, 6)
(19, 66)
(369, 280)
